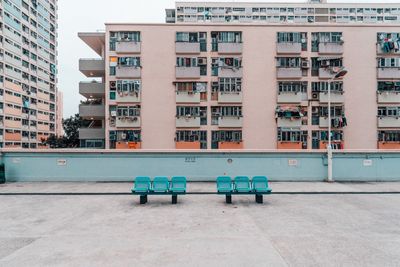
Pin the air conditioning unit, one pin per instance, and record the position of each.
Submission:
(113, 113)
(325, 63)
(113, 85)
(315, 96)
(305, 64)
(202, 61)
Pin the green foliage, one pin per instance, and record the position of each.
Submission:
(71, 134)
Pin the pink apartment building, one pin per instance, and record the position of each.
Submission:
(246, 76)
(28, 72)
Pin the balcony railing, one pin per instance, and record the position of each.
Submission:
(128, 72)
(92, 67)
(293, 73)
(389, 122)
(330, 48)
(188, 72)
(128, 47)
(92, 111)
(91, 133)
(92, 89)
(187, 97)
(187, 122)
(336, 97)
(128, 122)
(230, 97)
(187, 48)
(289, 122)
(288, 48)
(291, 97)
(230, 72)
(230, 122)
(228, 48)
(388, 97)
(389, 73)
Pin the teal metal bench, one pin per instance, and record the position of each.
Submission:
(160, 186)
(243, 186)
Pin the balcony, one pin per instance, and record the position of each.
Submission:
(128, 145)
(388, 145)
(289, 73)
(128, 47)
(128, 122)
(92, 67)
(324, 144)
(12, 124)
(230, 72)
(127, 97)
(187, 72)
(290, 145)
(13, 74)
(230, 48)
(187, 145)
(335, 97)
(325, 73)
(230, 145)
(128, 72)
(187, 97)
(388, 73)
(231, 97)
(389, 122)
(330, 48)
(380, 51)
(13, 99)
(324, 122)
(92, 89)
(43, 117)
(291, 97)
(188, 122)
(288, 48)
(289, 122)
(12, 136)
(230, 122)
(388, 97)
(187, 48)
(92, 111)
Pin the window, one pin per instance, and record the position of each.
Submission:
(289, 62)
(228, 85)
(292, 87)
(389, 62)
(323, 86)
(132, 111)
(129, 62)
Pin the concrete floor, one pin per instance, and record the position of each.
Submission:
(114, 230)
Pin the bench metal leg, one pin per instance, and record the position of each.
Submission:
(143, 199)
(174, 199)
(228, 199)
(259, 199)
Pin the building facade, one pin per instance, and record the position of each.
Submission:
(28, 69)
(245, 85)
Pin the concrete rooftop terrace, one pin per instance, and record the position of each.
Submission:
(302, 224)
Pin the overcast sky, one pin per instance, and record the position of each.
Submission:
(90, 15)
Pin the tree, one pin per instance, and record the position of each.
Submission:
(71, 134)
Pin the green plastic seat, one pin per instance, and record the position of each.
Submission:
(260, 184)
(242, 184)
(224, 184)
(142, 185)
(178, 184)
(160, 184)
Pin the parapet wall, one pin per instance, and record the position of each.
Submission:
(109, 166)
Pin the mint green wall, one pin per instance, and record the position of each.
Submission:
(201, 166)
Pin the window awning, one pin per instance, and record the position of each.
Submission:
(329, 58)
